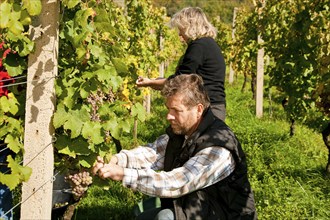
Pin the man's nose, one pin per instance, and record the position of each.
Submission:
(169, 116)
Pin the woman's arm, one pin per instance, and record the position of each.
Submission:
(157, 83)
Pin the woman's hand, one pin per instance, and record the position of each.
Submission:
(156, 84)
(143, 81)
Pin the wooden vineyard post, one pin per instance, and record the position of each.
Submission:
(260, 69)
(162, 64)
(231, 70)
(40, 105)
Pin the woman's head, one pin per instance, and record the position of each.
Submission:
(192, 24)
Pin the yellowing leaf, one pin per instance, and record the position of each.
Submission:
(13, 143)
(71, 3)
(16, 27)
(125, 90)
(5, 9)
(10, 180)
(33, 6)
(18, 174)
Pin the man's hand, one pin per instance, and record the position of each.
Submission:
(110, 170)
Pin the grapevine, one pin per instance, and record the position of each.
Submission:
(14, 48)
(99, 60)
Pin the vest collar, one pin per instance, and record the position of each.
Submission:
(207, 120)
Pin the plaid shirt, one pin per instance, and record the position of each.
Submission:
(143, 165)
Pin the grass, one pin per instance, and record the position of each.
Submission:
(287, 173)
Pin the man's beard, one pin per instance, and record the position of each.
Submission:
(179, 130)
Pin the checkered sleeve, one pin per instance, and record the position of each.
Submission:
(148, 156)
(207, 167)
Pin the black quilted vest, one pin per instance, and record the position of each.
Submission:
(231, 198)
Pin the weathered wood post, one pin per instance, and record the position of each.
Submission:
(40, 105)
(231, 70)
(260, 69)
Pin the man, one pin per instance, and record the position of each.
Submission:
(197, 168)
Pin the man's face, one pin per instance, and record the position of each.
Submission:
(183, 121)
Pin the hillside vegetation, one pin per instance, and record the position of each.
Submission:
(213, 8)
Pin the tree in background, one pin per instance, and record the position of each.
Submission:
(213, 8)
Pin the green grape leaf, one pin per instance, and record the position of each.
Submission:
(63, 144)
(71, 3)
(125, 125)
(104, 112)
(4, 104)
(69, 100)
(103, 75)
(112, 126)
(83, 93)
(13, 125)
(15, 27)
(18, 174)
(105, 26)
(88, 75)
(74, 125)
(87, 161)
(25, 18)
(92, 131)
(25, 172)
(81, 52)
(15, 13)
(116, 82)
(80, 146)
(5, 10)
(24, 47)
(9, 104)
(16, 65)
(33, 6)
(13, 143)
(60, 116)
(139, 111)
(119, 65)
(96, 51)
(10, 180)
(75, 122)
(84, 163)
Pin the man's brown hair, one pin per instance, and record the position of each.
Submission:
(191, 86)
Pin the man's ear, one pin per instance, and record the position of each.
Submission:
(200, 110)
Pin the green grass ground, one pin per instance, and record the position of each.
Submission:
(287, 173)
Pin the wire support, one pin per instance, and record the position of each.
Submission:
(12, 78)
(52, 179)
(3, 149)
(19, 83)
(21, 162)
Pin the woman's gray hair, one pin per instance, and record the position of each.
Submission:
(193, 22)
(189, 85)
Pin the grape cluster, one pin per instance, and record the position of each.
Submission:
(79, 183)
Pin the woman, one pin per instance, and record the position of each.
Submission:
(203, 56)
